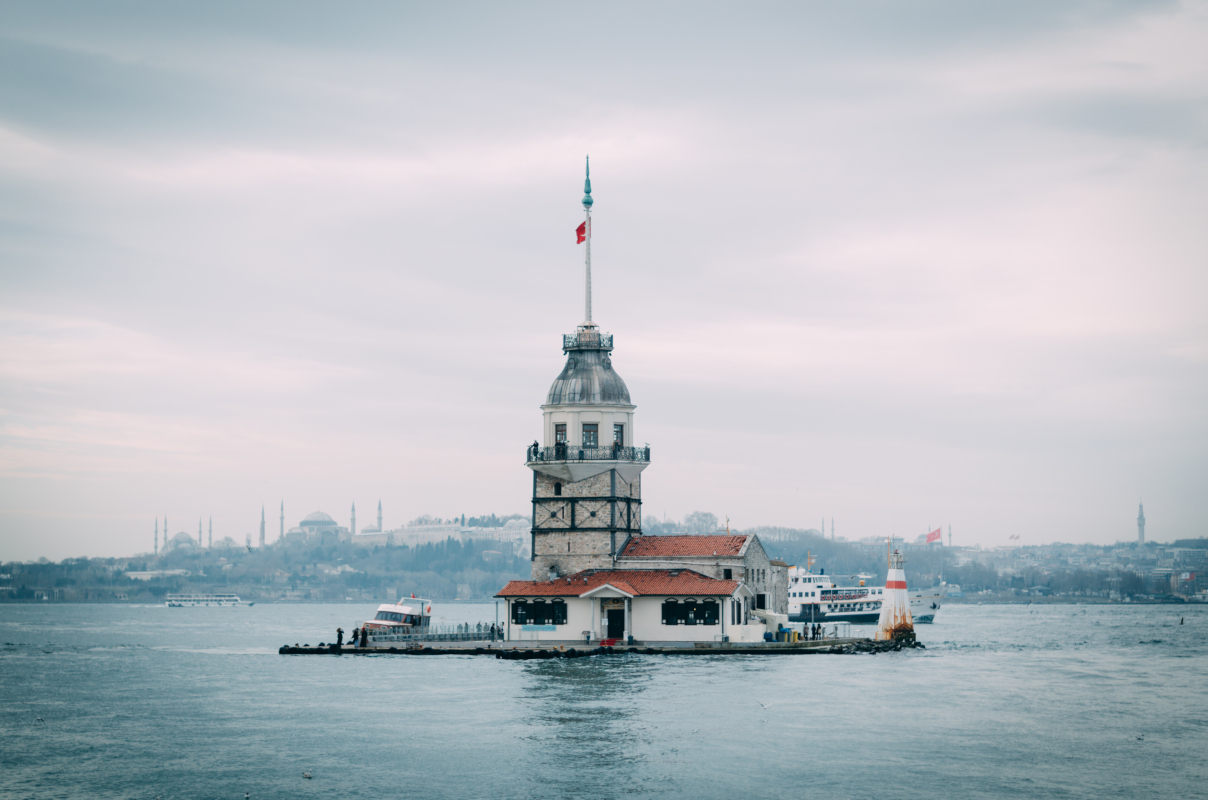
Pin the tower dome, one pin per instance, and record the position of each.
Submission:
(588, 377)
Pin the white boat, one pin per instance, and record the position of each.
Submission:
(190, 600)
(411, 615)
(817, 598)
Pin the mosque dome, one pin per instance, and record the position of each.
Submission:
(182, 538)
(589, 379)
(317, 520)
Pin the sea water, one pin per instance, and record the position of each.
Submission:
(1006, 701)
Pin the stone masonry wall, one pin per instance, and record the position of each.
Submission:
(571, 552)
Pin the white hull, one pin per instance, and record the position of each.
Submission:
(203, 600)
(924, 605)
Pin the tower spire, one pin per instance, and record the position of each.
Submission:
(587, 203)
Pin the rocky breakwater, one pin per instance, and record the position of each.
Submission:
(876, 647)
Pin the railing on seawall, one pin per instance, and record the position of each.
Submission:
(471, 636)
(444, 633)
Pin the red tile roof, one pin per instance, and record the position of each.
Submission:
(631, 581)
(725, 545)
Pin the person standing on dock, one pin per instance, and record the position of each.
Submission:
(364, 636)
(356, 632)
(339, 636)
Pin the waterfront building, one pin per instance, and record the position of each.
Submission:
(594, 575)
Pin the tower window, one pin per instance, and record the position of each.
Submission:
(591, 434)
(557, 489)
(560, 433)
(727, 574)
(618, 435)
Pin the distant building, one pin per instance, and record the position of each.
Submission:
(318, 526)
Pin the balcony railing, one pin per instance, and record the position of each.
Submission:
(587, 340)
(567, 452)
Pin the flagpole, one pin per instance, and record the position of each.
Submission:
(587, 202)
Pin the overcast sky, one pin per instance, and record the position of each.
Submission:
(900, 264)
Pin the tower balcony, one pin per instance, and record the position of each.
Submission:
(567, 452)
(586, 340)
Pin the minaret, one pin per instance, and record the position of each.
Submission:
(199, 532)
(354, 519)
(832, 529)
(157, 536)
(379, 516)
(587, 499)
(211, 536)
(1141, 524)
(262, 527)
(281, 536)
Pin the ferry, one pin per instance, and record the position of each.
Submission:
(189, 600)
(411, 615)
(816, 598)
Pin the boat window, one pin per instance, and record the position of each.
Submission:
(690, 612)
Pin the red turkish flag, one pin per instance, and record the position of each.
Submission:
(581, 233)
(936, 535)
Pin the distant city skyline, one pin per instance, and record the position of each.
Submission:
(891, 265)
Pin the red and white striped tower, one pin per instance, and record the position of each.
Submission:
(896, 622)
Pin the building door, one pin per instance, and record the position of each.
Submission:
(616, 623)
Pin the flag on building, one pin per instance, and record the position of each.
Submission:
(936, 536)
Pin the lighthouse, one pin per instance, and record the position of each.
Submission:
(896, 621)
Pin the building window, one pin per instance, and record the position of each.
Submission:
(591, 434)
(761, 601)
(618, 435)
(690, 612)
(538, 612)
(560, 433)
(727, 574)
(557, 489)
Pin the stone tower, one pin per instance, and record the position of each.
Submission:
(587, 484)
(1141, 523)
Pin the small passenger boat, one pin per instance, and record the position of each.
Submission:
(411, 615)
(190, 600)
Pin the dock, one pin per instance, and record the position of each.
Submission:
(552, 649)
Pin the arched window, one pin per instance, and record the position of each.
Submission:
(557, 488)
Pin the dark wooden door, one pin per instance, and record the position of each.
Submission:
(616, 623)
